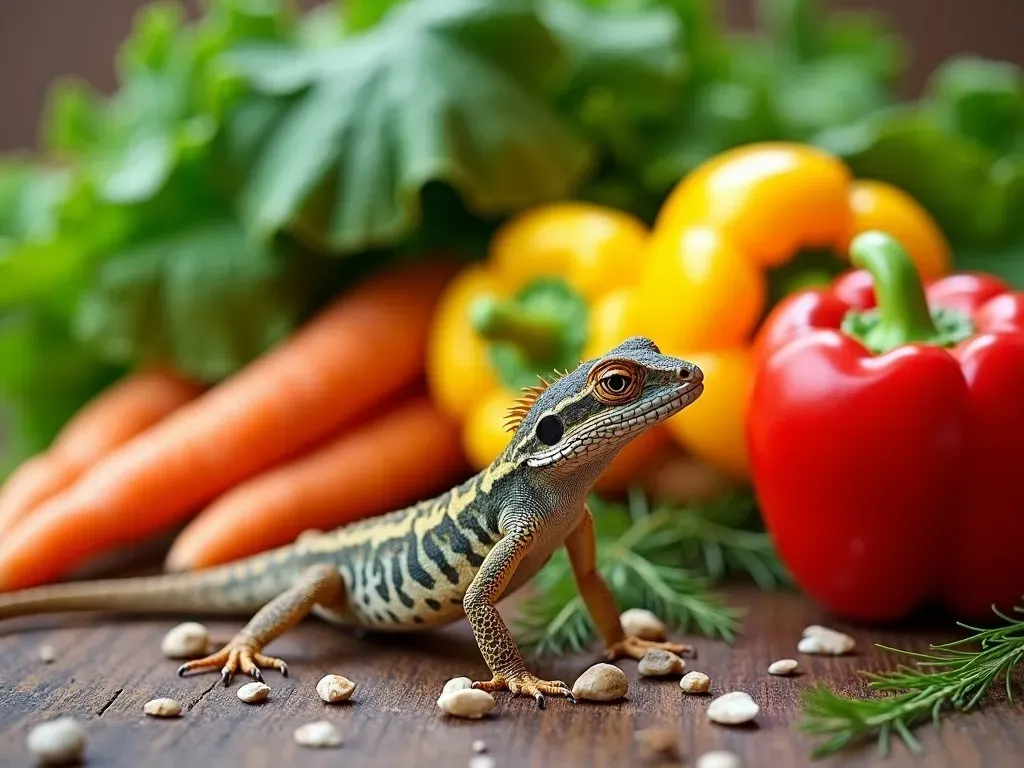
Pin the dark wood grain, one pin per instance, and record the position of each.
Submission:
(108, 668)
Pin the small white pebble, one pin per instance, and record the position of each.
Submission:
(481, 761)
(602, 682)
(659, 663)
(185, 641)
(733, 708)
(783, 667)
(720, 758)
(479, 746)
(253, 693)
(162, 708)
(695, 682)
(57, 742)
(638, 622)
(47, 654)
(320, 734)
(658, 744)
(335, 688)
(809, 644)
(470, 703)
(822, 640)
(455, 684)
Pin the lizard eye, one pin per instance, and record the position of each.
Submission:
(616, 383)
(550, 429)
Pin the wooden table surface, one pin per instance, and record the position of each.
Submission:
(108, 668)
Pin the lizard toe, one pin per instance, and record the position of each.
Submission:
(633, 647)
(526, 684)
(237, 656)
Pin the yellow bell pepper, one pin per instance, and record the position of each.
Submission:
(724, 233)
(554, 289)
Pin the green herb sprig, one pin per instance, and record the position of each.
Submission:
(664, 559)
(952, 679)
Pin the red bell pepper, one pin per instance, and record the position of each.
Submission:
(887, 442)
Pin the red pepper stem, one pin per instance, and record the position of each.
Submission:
(903, 314)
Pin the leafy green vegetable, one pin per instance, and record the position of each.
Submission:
(360, 15)
(206, 298)
(436, 91)
(973, 196)
(610, 52)
(947, 173)
(263, 142)
(45, 376)
(981, 100)
(173, 91)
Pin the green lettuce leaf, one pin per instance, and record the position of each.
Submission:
(450, 92)
(45, 376)
(824, 93)
(172, 94)
(50, 225)
(962, 184)
(622, 65)
(980, 99)
(206, 298)
(733, 108)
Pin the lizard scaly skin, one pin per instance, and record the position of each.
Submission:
(455, 555)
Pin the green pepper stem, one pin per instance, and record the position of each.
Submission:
(495, 319)
(903, 314)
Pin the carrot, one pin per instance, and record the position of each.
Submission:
(396, 459)
(363, 347)
(114, 416)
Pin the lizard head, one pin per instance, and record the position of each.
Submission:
(579, 422)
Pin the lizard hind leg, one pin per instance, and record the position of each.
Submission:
(319, 585)
(599, 600)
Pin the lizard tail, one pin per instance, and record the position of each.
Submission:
(242, 588)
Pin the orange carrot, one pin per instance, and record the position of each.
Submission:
(400, 457)
(114, 416)
(363, 347)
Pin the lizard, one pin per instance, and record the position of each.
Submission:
(456, 555)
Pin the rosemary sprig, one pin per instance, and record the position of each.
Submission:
(663, 559)
(950, 679)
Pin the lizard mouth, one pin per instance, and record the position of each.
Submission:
(656, 409)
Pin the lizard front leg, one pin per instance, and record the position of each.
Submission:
(492, 636)
(321, 584)
(600, 602)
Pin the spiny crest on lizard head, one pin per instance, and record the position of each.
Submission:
(563, 383)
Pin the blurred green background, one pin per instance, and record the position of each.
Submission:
(42, 39)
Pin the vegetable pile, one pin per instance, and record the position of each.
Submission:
(295, 251)
(258, 160)
(283, 446)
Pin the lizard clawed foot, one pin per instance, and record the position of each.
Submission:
(241, 654)
(525, 684)
(634, 648)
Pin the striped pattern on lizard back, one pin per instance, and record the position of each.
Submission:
(409, 569)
